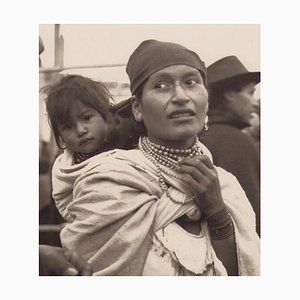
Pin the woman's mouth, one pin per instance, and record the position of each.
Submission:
(181, 114)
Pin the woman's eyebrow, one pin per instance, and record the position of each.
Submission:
(192, 73)
(167, 75)
(162, 75)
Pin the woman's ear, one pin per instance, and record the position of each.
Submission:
(206, 108)
(136, 109)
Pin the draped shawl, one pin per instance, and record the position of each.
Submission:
(114, 205)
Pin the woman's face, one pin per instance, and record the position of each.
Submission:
(173, 106)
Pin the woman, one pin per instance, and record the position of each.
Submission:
(163, 209)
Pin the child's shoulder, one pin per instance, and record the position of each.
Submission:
(64, 159)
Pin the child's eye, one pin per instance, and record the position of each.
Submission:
(66, 127)
(87, 117)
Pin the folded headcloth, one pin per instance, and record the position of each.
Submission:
(151, 56)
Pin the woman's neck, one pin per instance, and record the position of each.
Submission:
(183, 144)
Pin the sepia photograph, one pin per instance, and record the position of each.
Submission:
(149, 149)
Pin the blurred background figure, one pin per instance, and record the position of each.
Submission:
(48, 151)
(231, 107)
(41, 49)
(254, 129)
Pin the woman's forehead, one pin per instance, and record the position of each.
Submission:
(176, 71)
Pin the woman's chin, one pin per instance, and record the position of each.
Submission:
(179, 140)
(186, 134)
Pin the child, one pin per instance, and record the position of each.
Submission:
(78, 113)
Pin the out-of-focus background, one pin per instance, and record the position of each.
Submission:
(89, 46)
(101, 53)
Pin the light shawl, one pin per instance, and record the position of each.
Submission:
(118, 206)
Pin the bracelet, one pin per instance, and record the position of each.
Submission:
(220, 225)
(219, 219)
(222, 233)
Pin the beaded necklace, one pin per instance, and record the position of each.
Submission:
(163, 157)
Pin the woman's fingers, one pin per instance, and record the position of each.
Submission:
(197, 175)
(202, 178)
(202, 162)
(197, 167)
(195, 186)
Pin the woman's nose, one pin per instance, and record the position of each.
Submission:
(180, 95)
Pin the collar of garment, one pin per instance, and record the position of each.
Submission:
(80, 157)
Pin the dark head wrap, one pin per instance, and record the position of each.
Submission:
(151, 56)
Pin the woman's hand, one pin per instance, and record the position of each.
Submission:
(199, 173)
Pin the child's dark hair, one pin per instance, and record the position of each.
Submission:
(66, 93)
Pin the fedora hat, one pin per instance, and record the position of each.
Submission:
(228, 72)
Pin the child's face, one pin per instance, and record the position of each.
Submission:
(85, 132)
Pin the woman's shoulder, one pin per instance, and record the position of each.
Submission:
(205, 150)
(235, 199)
(224, 175)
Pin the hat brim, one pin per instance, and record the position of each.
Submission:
(235, 80)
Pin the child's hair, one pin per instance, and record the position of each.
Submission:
(67, 92)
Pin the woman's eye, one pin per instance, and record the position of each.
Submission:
(191, 82)
(160, 85)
